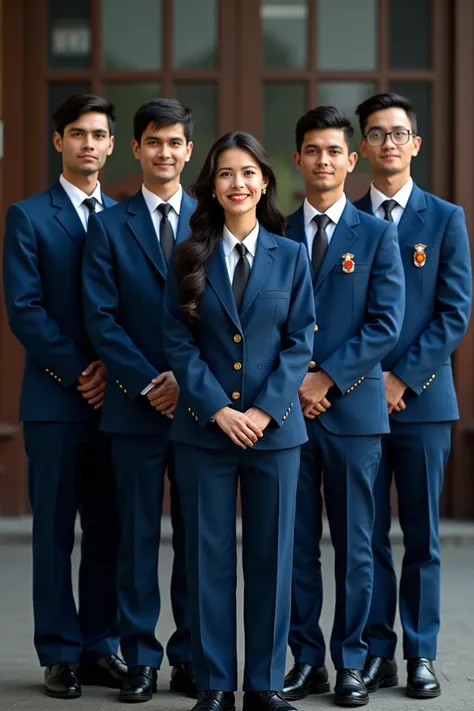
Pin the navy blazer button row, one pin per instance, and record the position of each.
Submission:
(355, 384)
(53, 375)
(429, 381)
(121, 386)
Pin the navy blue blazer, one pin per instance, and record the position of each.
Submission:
(359, 317)
(124, 276)
(42, 255)
(438, 305)
(256, 359)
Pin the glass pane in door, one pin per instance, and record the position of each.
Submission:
(283, 104)
(195, 34)
(284, 33)
(132, 34)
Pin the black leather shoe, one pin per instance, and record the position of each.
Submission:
(107, 671)
(379, 673)
(350, 689)
(265, 701)
(304, 679)
(215, 701)
(139, 685)
(182, 680)
(60, 681)
(421, 679)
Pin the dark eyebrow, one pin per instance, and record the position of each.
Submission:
(244, 168)
(76, 129)
(157, 138)
(394, 128)
(314, 145)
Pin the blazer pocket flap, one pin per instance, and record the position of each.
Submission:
(275, 294)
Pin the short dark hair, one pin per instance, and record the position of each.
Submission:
(323, 117)
(162, 112)
(379, 102)
(77, 105)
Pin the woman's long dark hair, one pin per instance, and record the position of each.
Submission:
(207, 221)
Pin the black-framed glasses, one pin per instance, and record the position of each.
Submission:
(377, 137)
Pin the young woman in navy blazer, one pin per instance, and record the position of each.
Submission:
(238, 330)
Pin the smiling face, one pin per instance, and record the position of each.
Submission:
(162, 152)
(390, 159)
(325, 161)
(85, 144)
(238, 182)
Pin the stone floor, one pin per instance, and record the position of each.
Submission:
(20, 676)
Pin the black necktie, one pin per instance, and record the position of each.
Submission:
(90, 203)
(388, 206)
(320, 242)
(241, 275)
(166, 232)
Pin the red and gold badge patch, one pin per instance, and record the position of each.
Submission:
(419, 255)
(348, 263)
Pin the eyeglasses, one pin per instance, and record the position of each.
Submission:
(377, 137)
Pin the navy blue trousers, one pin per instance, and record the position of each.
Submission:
(414, 454)
(347, 467)
(69, 471)
(140, 464)
(208, 482)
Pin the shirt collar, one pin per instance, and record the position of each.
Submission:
(76, 195)
(401, 197)
(250, 241)
(334, 212)
(152, 200)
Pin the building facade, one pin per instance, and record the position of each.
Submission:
(254, 65)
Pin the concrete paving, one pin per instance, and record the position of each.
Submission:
(21, 678)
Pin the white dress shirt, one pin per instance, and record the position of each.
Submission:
(77, 197)
(334, 213)
(401, 198)
(152, 200)
(231, 254)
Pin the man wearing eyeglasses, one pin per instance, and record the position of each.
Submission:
(420, 394)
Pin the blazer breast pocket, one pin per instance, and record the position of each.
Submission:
(359, 268)
(275, 294)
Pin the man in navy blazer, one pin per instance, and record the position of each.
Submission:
(125, 265)
(63, 387)
(359, 300)
(420, 393)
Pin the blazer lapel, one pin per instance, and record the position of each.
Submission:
(412, 219)
(262, 265)
(107, 202)
(67, 215)
(365, 203)
(187, 208)
(218, 277)
(295, 230)
(143, 230)
(343, 236)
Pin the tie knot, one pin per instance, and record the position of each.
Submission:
(164, 208)
(241, 249)
(90, 203)
(388, 206)
(322, 221)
